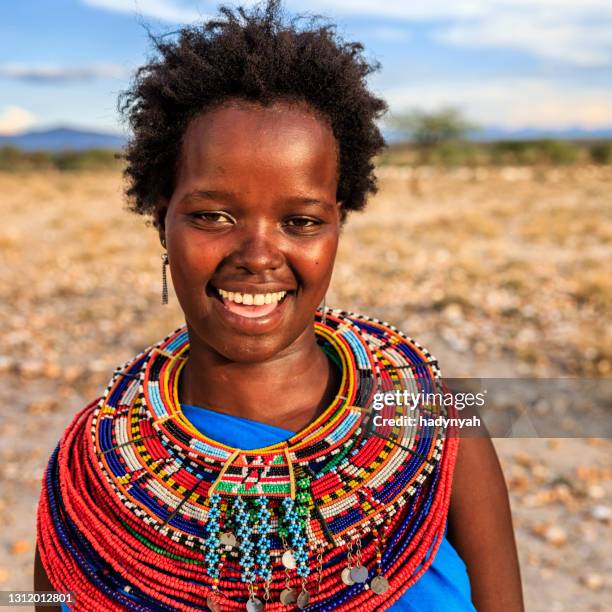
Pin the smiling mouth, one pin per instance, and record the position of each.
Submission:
(250, 305)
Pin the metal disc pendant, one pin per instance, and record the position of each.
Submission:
(288, 560)
(303, 599)
(379, 585)
(213, 604)
(346, 577)
(228, 539)
(254, 605)
(288, 596)
(359, 574)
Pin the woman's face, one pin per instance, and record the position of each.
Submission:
(252, 227)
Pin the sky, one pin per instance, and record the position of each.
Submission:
(514, 64)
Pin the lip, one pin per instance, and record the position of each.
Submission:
(252, 325)
(252, 288)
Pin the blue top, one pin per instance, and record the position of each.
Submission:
(444, 586)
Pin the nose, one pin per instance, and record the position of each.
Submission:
(257, 251)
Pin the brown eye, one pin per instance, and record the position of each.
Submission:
(299, 222)
(215, 217)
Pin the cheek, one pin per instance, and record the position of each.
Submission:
(193, 260)
(318, 261)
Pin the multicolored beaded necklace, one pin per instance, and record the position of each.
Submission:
(141, 511)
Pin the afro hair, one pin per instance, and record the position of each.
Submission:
(258, 56)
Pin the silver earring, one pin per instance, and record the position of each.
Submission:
(164, 298)
(322, 308)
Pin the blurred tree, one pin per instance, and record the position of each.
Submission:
(601, 153)
(428, 130)
(10, 157)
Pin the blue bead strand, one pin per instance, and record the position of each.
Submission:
(297, 538)
(212, 556)
(264, 567)
(244, 531)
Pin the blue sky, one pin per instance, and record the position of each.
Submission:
(508, 63)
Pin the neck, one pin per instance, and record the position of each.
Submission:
(288, 391)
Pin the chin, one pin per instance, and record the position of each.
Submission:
(253, 352)
(242, 348)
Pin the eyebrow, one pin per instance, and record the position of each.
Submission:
(306, 200)
(228, 196)
(208, 194)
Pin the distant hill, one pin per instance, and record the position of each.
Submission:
(575, 133)
(63, 138)
(66, 138)
(492, 133)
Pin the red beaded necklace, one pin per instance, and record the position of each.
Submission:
(140, 510)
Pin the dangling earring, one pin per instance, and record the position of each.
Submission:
(322, 308)
(164, 298)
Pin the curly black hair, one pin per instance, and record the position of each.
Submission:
(256, 56)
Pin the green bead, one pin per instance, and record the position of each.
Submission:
(303, 483)
(282, 532)
(302, 511)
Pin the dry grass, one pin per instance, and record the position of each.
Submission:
(499, 272)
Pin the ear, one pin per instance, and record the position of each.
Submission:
(159, 220)
(341, 211)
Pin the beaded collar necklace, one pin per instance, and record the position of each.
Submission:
(141, 509)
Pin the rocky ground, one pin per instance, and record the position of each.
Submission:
(499, 272)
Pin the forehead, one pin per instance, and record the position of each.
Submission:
(248, 142)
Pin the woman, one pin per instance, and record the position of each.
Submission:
(237, 463)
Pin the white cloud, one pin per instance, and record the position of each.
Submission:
(55, 73)
(390, 34)
(453, 9)
(166, 10)
(571, 31)
(14, 119)
(512, 102)
(396, 9)
(550, 38)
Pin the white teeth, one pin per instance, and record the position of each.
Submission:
(252, 299)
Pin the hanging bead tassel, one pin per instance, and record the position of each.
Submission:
(288, 595)
(212, 537)
(213, 557)
(262, 558)
(359, 573)
(164, 299)
(320, 551)
(346, 572)
(379, 584)
(244, 532)
(215, 599)
(295, 518)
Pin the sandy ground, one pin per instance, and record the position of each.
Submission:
(499, 272)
